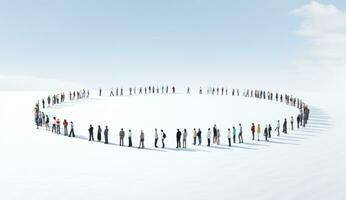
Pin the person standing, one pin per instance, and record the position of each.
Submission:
(58, 126)
(163, 137)
(234, 134)
(99, 132)
(266, 133)
(240, 135)
(178, 138)
(292, 121)
(194, 136)
(270, 131)
(112, 93)
(130, 138)
(141, 137)
(208, 136)
(214, 133)
(199, 135)
(253, 131)
(156, 138)
(71, 130)
(91, 133)
(285, 126)
(100, 92)
(278, 127)
(258, 131)
(54, 125)
(229, 136)
(65, 123)
(218, 137)
(105, 133)
(47, 123)
(121, 136)
(184, 138)
(298, 120)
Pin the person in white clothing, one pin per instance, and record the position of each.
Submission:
(208, 136)
(229, 137)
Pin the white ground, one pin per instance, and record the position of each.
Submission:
(307, 164)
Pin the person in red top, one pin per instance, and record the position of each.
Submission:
(253, 131)
(65, 124)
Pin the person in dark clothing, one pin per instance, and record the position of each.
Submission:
(99, 132)
(266, 133)
(100, 92)
(122, 135)
(105, 133)
(253, 131)
(199, 136)
(214, 134)
(71, 130)
(130, 138)
(178, 138)
(91, 133)
(284, 127)
(298, 120)
(156, 138)
(163, 137)
(269, 131)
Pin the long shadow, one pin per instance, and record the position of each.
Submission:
(294, 137)
(242, 147)
(219, 147)
(185, 150)
(277, 142)
(281, 137)
(255, 144)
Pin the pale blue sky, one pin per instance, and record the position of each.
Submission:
(98, 42)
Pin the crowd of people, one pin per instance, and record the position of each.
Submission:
(232, 134)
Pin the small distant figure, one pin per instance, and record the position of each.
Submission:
(99, 132)
(121, 136)
(269, 131)
(71, 130)
(130, 138)
(278, 127)
(105, 134)
(229, 137)
(284, 127)
(47, 123)
(112, 93)
(266, 133)
(199, 136)
(200, 90)
(258, 131)
(292, 121)
(208, 136)
(240, 135)
(218, 137)
(234, 134)
(178, 138)
(156, 137)
(184, 138)
(253, 131)
(65, 124)
(214, 134)
(188, 90)
(58, 126)
(91, 133)
(194, 136)
(54, 125)
(100, 92)
(141, 137)
(298, 121)
(163, 137)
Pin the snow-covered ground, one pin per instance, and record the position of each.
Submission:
(309, 163)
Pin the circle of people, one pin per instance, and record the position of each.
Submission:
(43, 120)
